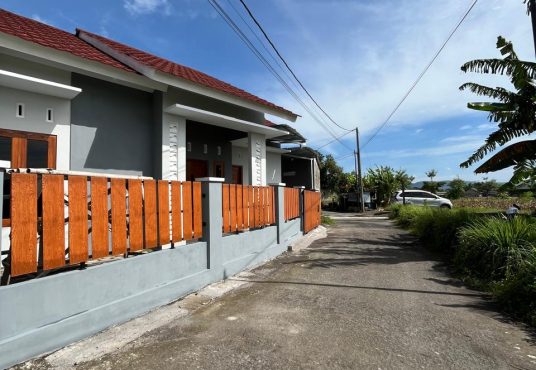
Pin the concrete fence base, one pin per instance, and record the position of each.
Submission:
(45, 314)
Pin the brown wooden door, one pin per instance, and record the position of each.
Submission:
(237, 175)
(196, 168)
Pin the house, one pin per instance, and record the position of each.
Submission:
(102, 106)
(130, 181)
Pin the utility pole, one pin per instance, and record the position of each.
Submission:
(359, 178)
(532, 10)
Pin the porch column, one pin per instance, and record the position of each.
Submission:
(257, 160)
(211, 189)
(173, 147)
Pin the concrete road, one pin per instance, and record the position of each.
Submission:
(365, 297)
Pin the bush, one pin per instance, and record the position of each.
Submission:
(517, 295)
(494, 249)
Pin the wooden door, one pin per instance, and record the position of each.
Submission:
(196, 168)
(237, 175)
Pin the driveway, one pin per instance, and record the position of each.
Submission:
(365, 297)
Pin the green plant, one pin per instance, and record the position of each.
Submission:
(495, 249)
(326, 220)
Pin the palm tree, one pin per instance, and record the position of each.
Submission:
(514, 111)
(431, 174)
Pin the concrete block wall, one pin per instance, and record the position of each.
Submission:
(48, 313)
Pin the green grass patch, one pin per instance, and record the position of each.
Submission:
(326, 220)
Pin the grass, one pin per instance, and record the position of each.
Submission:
(326, 220)
(486, 250)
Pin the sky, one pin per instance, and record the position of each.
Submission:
(356, 58)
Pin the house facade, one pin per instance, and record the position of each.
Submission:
(82, 102)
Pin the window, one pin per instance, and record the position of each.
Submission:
(219, 150)
(19, 149)
(50, 115)
(188, 146)
(20, 110)
(205, 148)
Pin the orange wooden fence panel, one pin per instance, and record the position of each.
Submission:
(176, 213)
(311, 201)
(187, 210)
(99, 217)
(225, 208)
(197, 205)
(119, 217)
(239, 207)
(53, 233)
(78, 219)
(23, 224)
(151, 227)
(135, 214)
(163, 212)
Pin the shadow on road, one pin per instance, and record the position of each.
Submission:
(401, 290)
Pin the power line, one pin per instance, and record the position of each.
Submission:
(265, 62)
(421, 75)
(331, 141)
(286, 64)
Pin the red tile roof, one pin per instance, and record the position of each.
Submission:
(181, 71)
(51, 37)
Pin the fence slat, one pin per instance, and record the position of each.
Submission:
(151, 226)
(245, 199)
(239, 208)
(198, 215)
(163, 212)
(23, 224)
(53, 222)
(99, 217)
(78, 217)
(251, 208)
(119, 217)
(135, 214)
(232, 207)
(225, 208)
(176, 215)
(187, 209)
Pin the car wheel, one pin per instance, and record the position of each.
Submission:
(444, 206)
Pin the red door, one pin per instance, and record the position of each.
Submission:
(237, 174)
(196, 168)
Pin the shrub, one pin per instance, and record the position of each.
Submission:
(517, 295)
(494, 249)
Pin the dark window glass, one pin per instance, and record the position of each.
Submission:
(37, 154)
(428, 196)
(410, 195)
(5, 148)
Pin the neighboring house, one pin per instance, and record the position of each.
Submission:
(83, 102)
(471, 193)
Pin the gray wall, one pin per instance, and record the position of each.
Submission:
(112, 128)
(179, 96)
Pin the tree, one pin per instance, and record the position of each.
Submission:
(431, 174)
(330, 174)
(513, 111)
(348, 182)
(404, 180)
(384, 180)
(456, 189)
(486, 187)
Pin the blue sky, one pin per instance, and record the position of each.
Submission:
(357, 58)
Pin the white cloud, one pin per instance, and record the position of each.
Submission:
(466, 127)
(137, 7)
(419, 130)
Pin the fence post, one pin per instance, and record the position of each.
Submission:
(302, 208)
(211, 190)
(279, 190)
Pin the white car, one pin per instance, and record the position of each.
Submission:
(422, 198)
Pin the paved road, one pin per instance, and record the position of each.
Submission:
(365, 297)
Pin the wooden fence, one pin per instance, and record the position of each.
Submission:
(133, 213)
(311, 205)
(292, 203)
(247, 207)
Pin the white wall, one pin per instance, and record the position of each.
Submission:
(241, 158)
(173, 147)
(35, 118)
(273, 168)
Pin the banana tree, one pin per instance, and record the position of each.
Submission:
(513, 111)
